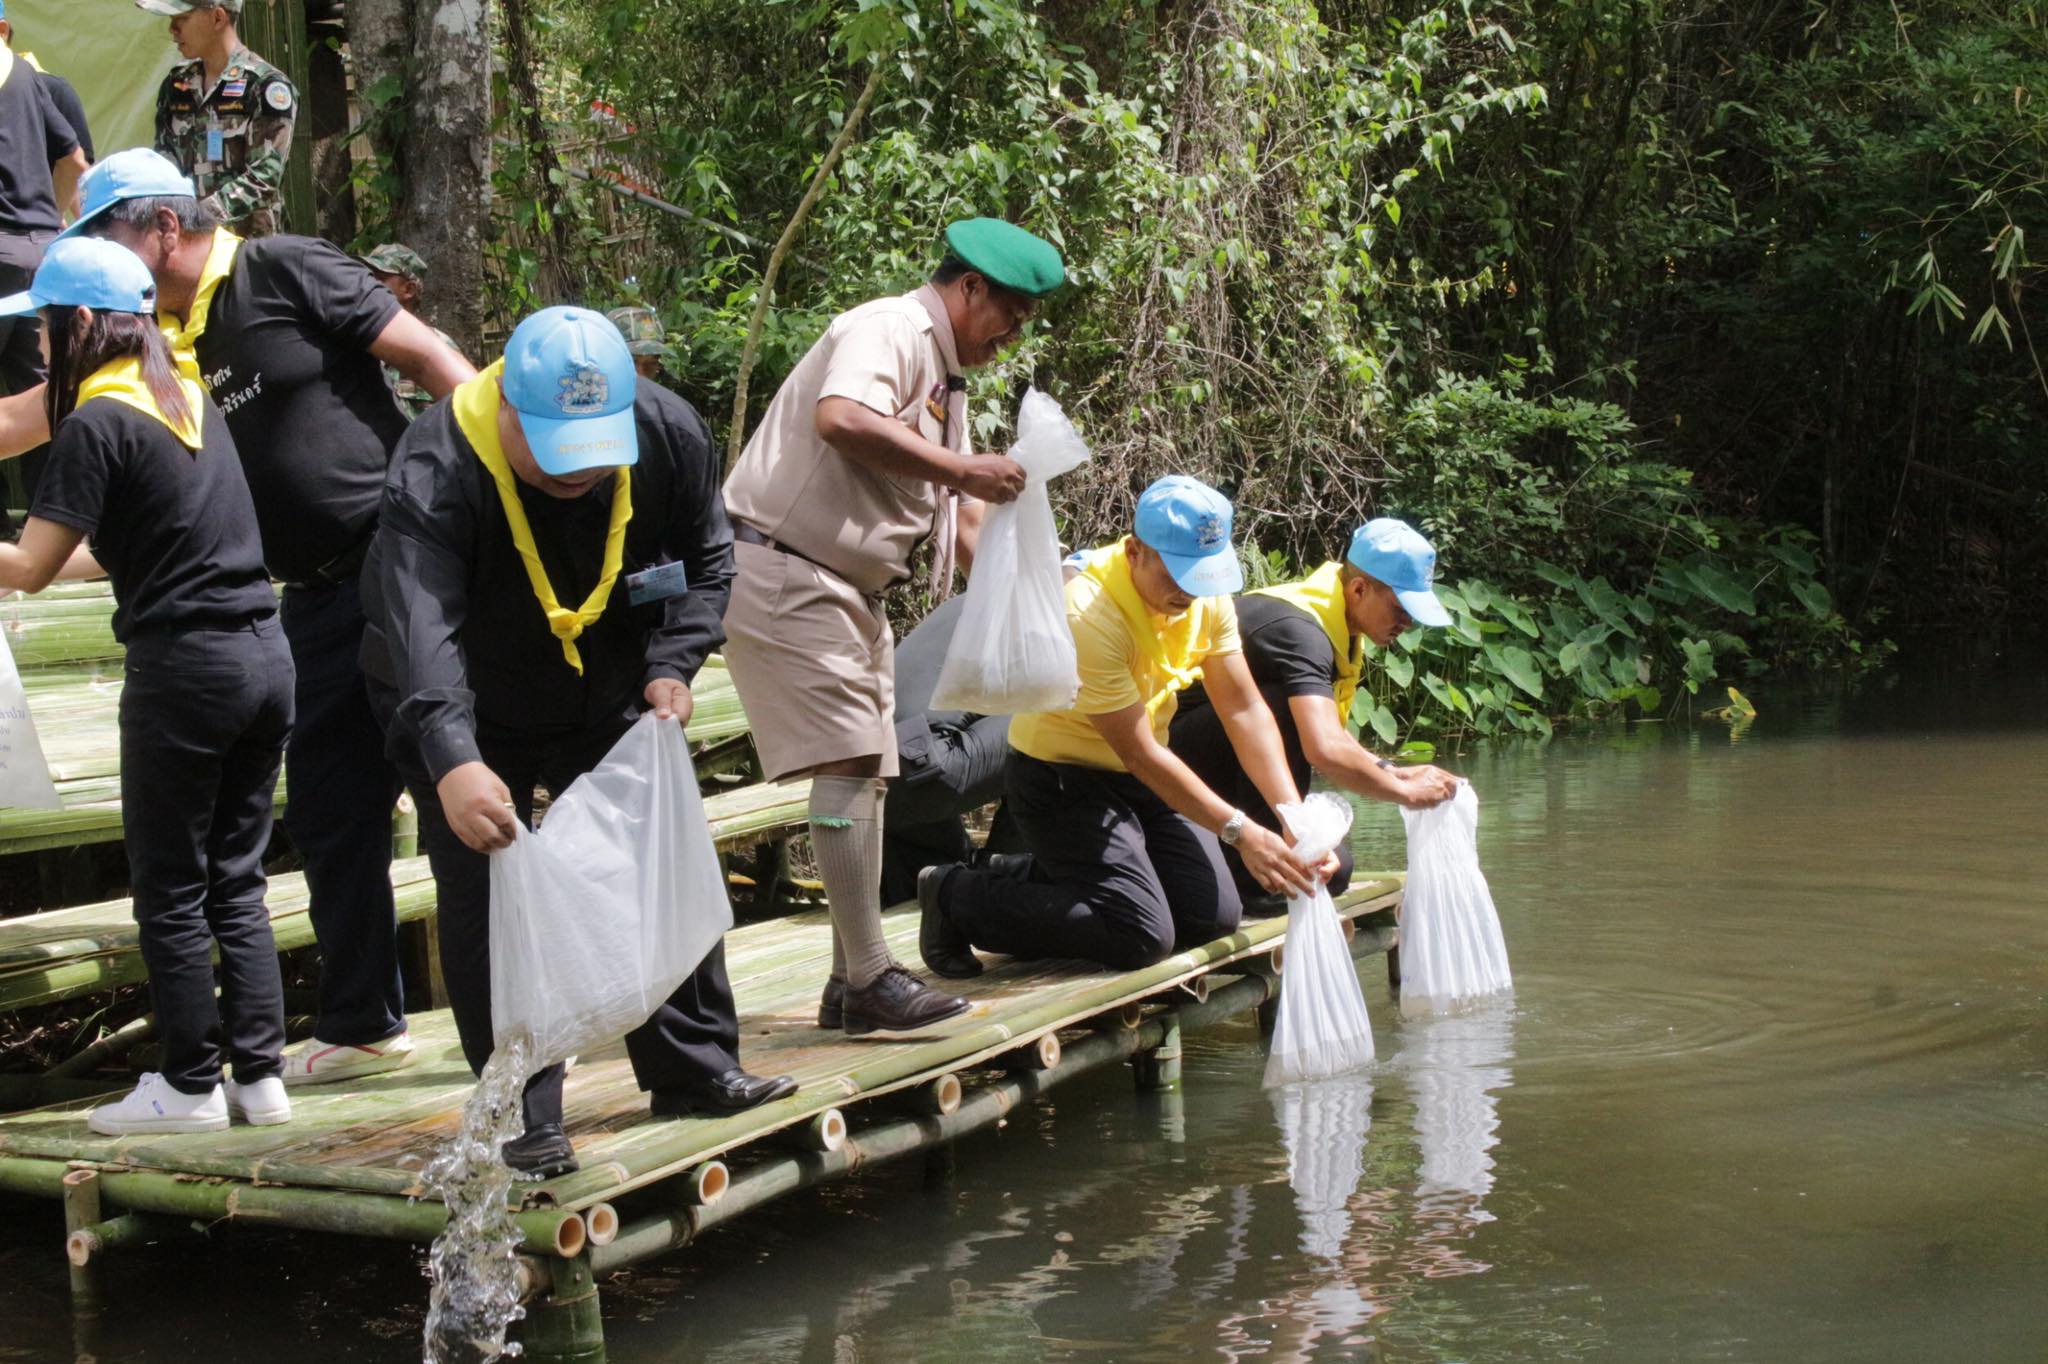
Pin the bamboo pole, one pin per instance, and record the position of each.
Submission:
(600, 1224)
(550, 1232)
(81, 1216)
(566, 1326)
(108, 1049)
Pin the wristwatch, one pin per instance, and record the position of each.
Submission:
(1232, 830)
(1387, 763)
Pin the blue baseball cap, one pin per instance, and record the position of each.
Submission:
(570, 377)
(87, 273)
(1395, 553)
(137, 173)
(1188, 522)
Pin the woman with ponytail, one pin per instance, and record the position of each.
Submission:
(142, 464)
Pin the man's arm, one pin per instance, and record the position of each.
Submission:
(882, 443)
(1129, 734)
(24, 422)
(1347, 763)
(967, 533)
(412, 348)
(1254, 735)
(64, 177)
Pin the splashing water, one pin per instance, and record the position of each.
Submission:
(473, 1266)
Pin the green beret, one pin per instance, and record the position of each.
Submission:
(395, 259)
(1007, 255)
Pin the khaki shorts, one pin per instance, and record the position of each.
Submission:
(814, 662)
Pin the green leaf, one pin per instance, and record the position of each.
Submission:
(1416, 751)
(1399, 669)
(1518, 666)
(1722, 590)
(1515, 614)
(1383, 724)
(1699, 661)
(1362, 704)
(1814, 596)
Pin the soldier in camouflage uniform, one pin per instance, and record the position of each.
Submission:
(644, 338)
(225, 115)
(400, 269)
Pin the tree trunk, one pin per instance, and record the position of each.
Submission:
(558, 282)
(379, 39)
(447, 161)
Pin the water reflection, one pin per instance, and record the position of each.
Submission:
(1454, 1065)
(1323, 1126)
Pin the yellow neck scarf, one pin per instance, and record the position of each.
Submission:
(184, 337)
(1168, 642)
(476, 415)
(121, 381)
(1321, 595)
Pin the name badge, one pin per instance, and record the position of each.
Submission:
(657, 584)
(216, 146)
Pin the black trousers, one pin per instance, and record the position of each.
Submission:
(204, 714)
(340, 789)
(1117, 877)
(694, 1035)
(946, 771)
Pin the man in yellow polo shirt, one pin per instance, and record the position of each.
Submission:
(1126, 841)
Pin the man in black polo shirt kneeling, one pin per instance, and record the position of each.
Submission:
(1305, 645)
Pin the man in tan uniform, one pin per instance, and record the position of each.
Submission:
(862, 457)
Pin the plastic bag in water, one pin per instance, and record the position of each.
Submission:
(598, 917)
(1323, 1028)
(1451, 946)
(1014, 651)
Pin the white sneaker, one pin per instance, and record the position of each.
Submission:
(314, 1062)
(260, 1103)
(154, 1106)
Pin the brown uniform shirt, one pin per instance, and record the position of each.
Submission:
(892, 355)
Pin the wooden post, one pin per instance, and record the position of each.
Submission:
(566, 1326)
(1159, 1069)
(82, 1210)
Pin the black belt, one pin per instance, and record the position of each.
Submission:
(746, 534)
(342, 566)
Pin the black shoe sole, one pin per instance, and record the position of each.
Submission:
(966, 966)
(548, 1169)
(831, 1018)
(856, 1026)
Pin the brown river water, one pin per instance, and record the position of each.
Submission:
(1773, 1086)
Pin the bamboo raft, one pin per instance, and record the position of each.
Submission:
(349, 1162)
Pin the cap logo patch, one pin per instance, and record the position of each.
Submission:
(1209, 531)
(585, 392)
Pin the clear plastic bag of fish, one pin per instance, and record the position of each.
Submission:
(1323, 1028)
(1014, 651)
(599, 916)
(1452, 951)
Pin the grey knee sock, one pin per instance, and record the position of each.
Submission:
(846, 834)
(838, 954)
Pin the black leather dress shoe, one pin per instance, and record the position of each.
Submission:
(832, 1004)
(945, 949)
(733, 1092)
(541, 1150)
(897, 1002)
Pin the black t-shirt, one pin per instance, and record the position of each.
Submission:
(1289, 655)
(173, 526)
(71, 107)
(33, 137)
(286, 354)
(457, 643)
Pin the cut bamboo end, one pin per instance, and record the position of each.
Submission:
(941, 1098)
(826, 1132)
(1349, 925)
(707, 1183)
(1130, 1014)
(80, 1247)
(1041, 1053)
(601, 1224)
(1200, 988)
(570, 1236)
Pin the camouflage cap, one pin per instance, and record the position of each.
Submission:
(395, 258)
(174, 8)
(642, 330)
